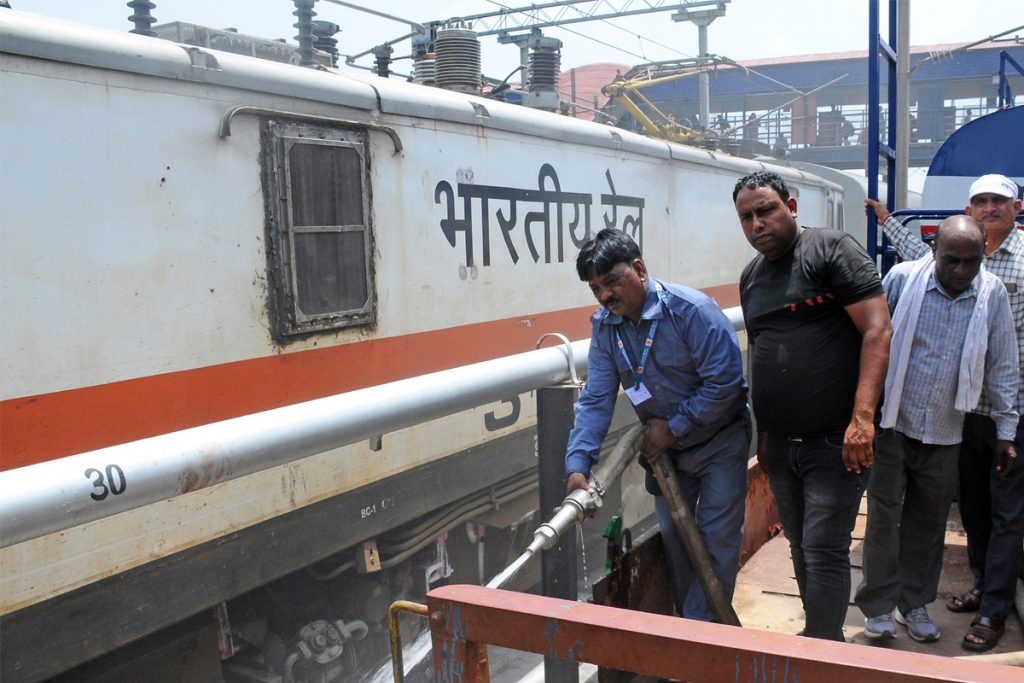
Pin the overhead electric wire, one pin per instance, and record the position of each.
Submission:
(632, 33)
(935, 56)
(610, 23)
(575, 33)
(378, 13)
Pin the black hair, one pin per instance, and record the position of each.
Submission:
(762, 179)
(602, 253)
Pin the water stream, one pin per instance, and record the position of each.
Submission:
(506, 574)
(412, 657)
(414, 654)
(584, 577)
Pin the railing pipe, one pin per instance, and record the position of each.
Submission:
(60, 494)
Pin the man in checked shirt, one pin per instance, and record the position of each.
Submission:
(991, 492)
(952, 334)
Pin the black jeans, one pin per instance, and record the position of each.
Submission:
(992, 510)
(818, 500)
(909, 495)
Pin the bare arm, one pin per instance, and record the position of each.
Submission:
(908, 243)
(871, 317)
(881, 212)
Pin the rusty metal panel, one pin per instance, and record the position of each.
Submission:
(638, 582)
(762, 516)
(456, 657)
(465, 617)
(641, 580)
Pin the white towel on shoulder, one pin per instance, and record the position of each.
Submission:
(904, 323)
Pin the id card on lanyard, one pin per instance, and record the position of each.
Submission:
(639, 393)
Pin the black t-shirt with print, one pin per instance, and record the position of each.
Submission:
(806, 349)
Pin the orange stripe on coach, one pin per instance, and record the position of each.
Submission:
(47, 426)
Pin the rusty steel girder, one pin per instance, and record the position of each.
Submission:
(465, 619)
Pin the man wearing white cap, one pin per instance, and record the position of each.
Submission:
(991, 493)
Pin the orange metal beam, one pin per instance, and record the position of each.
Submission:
(463, 619)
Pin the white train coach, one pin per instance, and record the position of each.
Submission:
(190, 236)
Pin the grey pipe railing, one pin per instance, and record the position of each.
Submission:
(63, 493)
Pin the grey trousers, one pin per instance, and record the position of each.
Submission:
(909, 495)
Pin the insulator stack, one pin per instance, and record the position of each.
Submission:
(324, 40)
(304, 23)
(382, 60)
(545, 66)
(457, 60)
(142, 17)
(424, 71)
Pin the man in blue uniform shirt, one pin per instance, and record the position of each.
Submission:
(675, 353)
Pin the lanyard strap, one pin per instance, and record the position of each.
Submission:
(638, 371)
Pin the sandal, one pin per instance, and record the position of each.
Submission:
(988, 630)
(968, 602)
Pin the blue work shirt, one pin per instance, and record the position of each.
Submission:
(694, 371)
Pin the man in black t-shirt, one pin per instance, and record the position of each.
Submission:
(819, 330)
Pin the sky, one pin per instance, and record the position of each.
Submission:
(750, 29)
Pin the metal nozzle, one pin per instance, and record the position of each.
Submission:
(572, 511)
(579, 503)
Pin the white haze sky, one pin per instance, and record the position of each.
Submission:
(750, 29)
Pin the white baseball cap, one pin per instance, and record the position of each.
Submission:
(995, 184)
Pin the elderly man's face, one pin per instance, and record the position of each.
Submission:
(959, 252)
(994, 211)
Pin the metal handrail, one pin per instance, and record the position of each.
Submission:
(397, 665)
(59, 494)
(908, 215)
(66, 492)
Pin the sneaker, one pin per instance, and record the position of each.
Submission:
(919, 624)
(880, 627)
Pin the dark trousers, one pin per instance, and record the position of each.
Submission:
(992, 510)
(818, 502)
(909, 495)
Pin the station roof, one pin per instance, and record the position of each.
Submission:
(807, 72)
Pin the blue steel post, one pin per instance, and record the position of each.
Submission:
(558, 565)
(876, 146)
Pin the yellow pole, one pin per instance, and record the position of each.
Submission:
(396, 639)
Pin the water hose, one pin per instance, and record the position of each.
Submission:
(693, 542)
